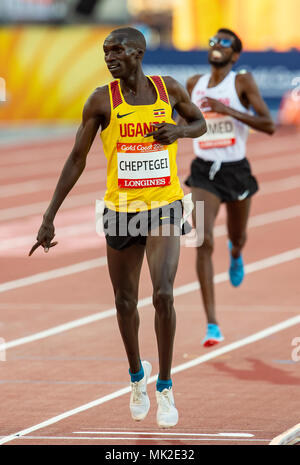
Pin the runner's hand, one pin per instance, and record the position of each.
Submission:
(44, 238)
(212, 104)
(165, 133)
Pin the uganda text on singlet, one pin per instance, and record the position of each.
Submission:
(226, 137)
(141, 172)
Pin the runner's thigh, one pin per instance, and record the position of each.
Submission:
(125, 267)
(163, 256)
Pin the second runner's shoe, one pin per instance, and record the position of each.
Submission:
(213, 335)
(139, 400)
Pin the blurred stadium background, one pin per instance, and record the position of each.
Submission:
(51, 55)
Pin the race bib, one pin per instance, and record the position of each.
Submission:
(143, 165)
(220, 131)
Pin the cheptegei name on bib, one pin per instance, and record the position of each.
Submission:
(142, 165)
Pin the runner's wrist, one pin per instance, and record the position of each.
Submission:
(182, 131)
(48, 218)
(229, 111)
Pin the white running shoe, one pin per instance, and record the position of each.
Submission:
(167, 413)
(139, 400)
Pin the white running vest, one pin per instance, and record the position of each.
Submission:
(226, 137)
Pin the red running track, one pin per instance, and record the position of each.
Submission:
(65, 375)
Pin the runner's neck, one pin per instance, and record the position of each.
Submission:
(135, 84)
(218, 75)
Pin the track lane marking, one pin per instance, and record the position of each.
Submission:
(179, 368)
(53, 274)
(168, 438)
(143, 433)
(38, 208)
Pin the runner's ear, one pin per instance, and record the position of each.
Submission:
(140, 53)
(235, 57)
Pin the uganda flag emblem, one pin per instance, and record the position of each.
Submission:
(159, 113)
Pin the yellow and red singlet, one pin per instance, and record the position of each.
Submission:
(141, 173)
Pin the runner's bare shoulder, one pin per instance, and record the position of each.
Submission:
(245, 78)
(245, 83)
(97, 106)
(171, 84)
(99, 99)
(192, 81)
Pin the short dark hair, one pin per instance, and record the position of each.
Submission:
(237, 44)
(134, 36)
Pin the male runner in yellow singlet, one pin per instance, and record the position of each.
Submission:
(221, 173)
(143, 197)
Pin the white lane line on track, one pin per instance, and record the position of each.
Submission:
(44, 164)
(53, 274)
(38, 208)
(181, 290)
(184, 366)
(167, 433)
(64, 231)
(46, 184)
(113, 438)
(280, 163)
(34, 154)
(280, 185)
(35, 137)
(264, 218)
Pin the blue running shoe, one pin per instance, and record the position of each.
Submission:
(213, 335)
(236, 269)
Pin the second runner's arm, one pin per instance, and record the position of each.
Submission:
(250, 96)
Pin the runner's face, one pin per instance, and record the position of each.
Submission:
(219, 55)
(119, 56)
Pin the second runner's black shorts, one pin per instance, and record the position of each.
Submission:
(232, 182)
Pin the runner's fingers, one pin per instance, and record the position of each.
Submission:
(53, 244)
(153, 133)
(48, 246)
(149, 134)
(44, 245)
(159, 126)
(165, 139)
(34, 247)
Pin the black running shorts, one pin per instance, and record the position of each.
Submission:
(232, 182)
(123, 229)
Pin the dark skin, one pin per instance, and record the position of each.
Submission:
(237, 212)
(124, 60)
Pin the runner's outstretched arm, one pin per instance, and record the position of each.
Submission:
(72, 170)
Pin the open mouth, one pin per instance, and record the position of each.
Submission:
(113, 67)
(216, 54)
